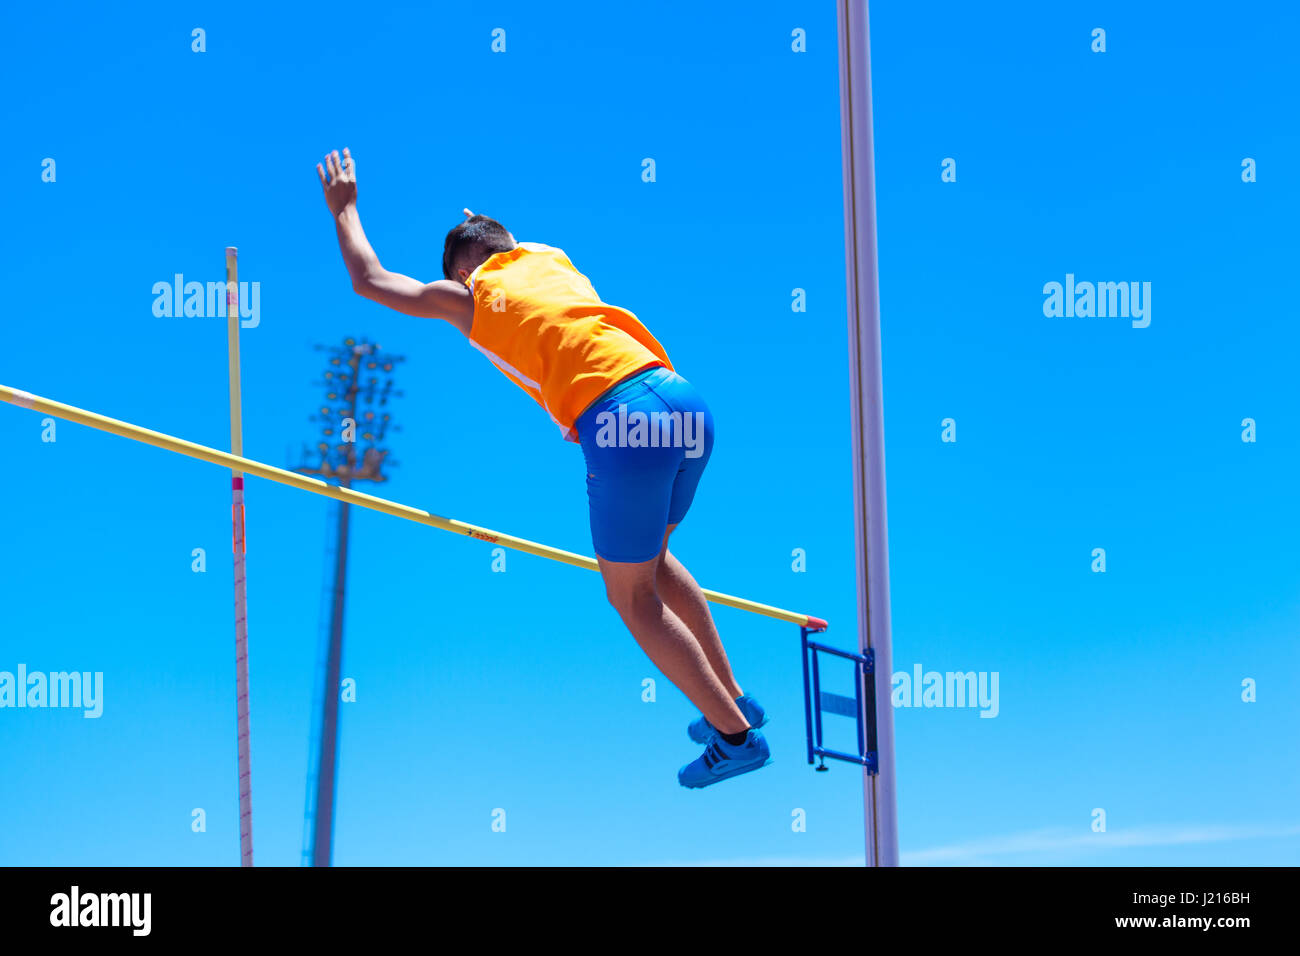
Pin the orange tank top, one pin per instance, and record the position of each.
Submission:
(541, 323)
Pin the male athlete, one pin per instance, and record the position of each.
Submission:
(645, 433)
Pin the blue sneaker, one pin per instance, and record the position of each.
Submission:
(700, 730)
(721, 760)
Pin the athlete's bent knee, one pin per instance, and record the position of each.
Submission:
(632, 598)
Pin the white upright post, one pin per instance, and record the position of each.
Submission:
(878, 789)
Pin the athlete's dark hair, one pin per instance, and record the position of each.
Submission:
(471, 242)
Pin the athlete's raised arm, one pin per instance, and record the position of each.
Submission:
(443, 299)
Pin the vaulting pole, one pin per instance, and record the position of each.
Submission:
(878, 789)
(247, 466)
(241, 597)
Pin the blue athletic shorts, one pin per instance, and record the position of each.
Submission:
(646, 442)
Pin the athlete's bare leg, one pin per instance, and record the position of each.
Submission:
(633, 590)
(680, 592)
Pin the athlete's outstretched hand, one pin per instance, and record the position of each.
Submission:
(338, 177)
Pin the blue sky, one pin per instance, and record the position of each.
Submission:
(1119, 691)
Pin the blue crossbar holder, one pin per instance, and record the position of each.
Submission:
(816, 701)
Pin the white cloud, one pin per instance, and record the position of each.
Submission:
(986, 851)
(983, 851)
(768, 861)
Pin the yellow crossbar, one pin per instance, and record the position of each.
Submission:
(249, 467)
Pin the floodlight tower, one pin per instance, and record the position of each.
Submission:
(358, 385)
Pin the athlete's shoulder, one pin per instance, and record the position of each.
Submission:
(553, 254)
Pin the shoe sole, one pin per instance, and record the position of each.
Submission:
(726, 776)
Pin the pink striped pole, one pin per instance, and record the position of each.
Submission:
(241, 600)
